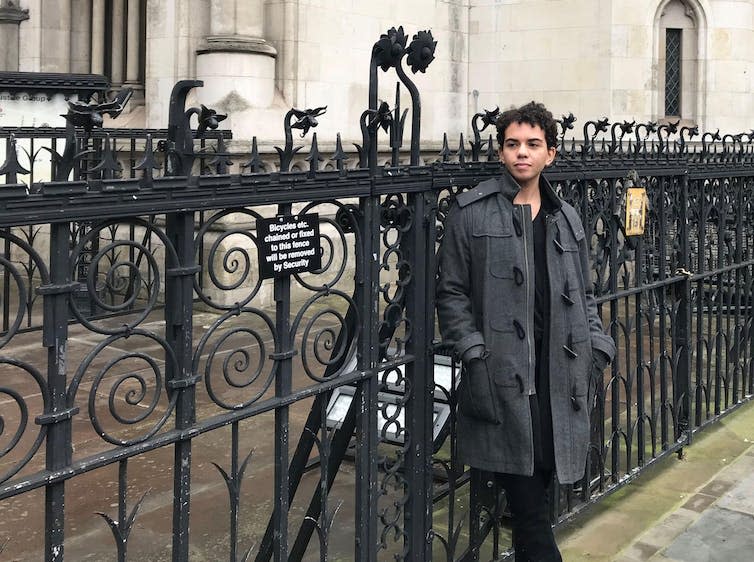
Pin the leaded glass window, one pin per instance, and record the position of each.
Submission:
(673, 72)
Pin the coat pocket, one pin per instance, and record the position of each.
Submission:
(477, 398)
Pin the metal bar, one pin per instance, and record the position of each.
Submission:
(615, 387)
(662, 272)
(340, 444)
(418, 415)
(178, 328)
(58, 451)
(682, 398)
(719, 362)
(122, 498)
(639, 371)
(40, 479)
(367, 299)
(234, 491)
(738, 258)
(6, 283)
(283, 379)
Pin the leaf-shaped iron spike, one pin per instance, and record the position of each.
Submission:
(492, 154)
(242, 469)
(461, 151)
(247, 555)
(315, 437)
(109, 166)
(340, 156)
(362, 155)
(11, 168)
(221, 160)
(114, 527)
(121, 534)
(255, 162)
(149, 162)
(333, 515)
(445, 152)
(224, 474)
(231, 482)
(314, 157)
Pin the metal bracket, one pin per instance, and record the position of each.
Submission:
(55, 417)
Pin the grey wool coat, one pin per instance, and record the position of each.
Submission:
(485, 297)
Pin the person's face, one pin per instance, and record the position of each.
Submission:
(525, 153)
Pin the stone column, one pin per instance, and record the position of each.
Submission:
(11, 17)
(235, 62)
(98, 37)
(81, 41)
(116, 70)
(55, 53)
(133, 41)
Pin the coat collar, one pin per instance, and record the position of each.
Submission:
(550, 201)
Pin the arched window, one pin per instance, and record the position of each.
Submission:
(680, 26)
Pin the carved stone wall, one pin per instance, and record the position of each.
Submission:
(261, 57)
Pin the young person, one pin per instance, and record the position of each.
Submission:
(515, 300)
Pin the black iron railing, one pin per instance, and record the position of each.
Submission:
(311, 416)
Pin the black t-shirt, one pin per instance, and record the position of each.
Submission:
(540, 276)
(544, 455)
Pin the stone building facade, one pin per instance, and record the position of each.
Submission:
(624, 59)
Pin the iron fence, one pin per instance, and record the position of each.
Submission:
(311, 416)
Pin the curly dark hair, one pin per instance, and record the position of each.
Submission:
(533, 113)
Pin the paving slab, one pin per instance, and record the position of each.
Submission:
(665, 506)
(741, 497)
(718, 535)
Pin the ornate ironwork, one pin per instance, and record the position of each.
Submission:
(189, 339)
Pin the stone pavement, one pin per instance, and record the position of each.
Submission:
(696, 509)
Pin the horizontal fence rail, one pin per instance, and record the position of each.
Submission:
(220, 413)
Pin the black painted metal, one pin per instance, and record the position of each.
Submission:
(677, 300)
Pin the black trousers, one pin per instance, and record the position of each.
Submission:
(529, 504)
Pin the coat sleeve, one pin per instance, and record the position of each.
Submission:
(600, 340)
(454, 305)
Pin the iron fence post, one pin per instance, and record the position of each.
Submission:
(283, 377)
(682, 348)
(367, 301)
(615, 430)
(736, 298)
(58, 452)
(179, 376)
(419, 407)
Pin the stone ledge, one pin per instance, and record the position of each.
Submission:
(236, 44)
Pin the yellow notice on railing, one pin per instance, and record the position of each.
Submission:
(636, 210)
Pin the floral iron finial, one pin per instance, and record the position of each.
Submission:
(307, 119)
(390, 48)
(489, 117)
(208, 119)
(421, 51)
(381, 117)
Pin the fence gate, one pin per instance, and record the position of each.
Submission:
(206, 364)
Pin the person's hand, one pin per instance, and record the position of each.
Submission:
(477, 398)
(600, 360)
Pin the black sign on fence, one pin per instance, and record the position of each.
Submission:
(288, 244)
